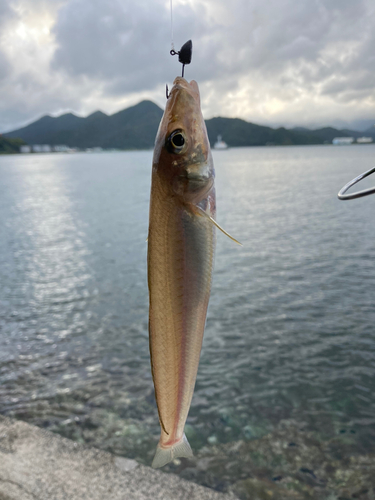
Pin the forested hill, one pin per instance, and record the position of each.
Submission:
(131, 128)
(10, 145)
(136, 127)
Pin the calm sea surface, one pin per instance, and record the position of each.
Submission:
(290, 334)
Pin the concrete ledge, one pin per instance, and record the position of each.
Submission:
(39, 465)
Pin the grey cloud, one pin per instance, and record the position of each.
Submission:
(10, 119)
(305, 55)
(18, 110)
(6, 14)
(123, 45)
(5, 66)
(286, 50)
(274, 35)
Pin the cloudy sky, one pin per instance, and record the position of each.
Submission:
(273, 62)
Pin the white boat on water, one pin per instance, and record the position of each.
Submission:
(220, 144)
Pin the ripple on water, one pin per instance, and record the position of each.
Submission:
(289, 351)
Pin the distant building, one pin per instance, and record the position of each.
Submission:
(60, 148)
(41, 148)
(25, 149)
(340, 141)
(364, 140)
(94, 150)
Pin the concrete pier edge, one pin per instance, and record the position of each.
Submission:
(36, 464)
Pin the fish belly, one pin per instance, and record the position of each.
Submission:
(181, 248)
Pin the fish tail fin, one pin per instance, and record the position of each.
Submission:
(165, 455)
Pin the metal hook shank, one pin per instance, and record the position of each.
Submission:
(358, 194)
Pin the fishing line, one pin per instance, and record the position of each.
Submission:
(172, 43)
(186, 51)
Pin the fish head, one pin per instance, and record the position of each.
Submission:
(182, 155)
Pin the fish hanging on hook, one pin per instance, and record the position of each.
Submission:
(181, 247)
(180, 257)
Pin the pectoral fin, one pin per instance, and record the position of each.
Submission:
(205, 214)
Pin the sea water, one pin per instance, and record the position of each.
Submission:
(289, 345)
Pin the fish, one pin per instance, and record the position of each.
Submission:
(180, 261)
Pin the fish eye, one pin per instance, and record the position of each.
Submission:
(176, 141)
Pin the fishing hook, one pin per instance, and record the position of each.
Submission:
(358, 194)
(184, 57)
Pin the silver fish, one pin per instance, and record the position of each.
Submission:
(181, 246)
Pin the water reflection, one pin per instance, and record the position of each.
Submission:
(47, 287)
(55, 258)
(289, 350)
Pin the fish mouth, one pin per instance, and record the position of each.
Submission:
(191, 87)
(195, 178)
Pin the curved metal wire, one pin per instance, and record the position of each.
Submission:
(358, 194)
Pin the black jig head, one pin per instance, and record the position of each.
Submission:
(184, 54)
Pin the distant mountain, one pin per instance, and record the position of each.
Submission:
(322, 134)
(370, 132)
(10, 145)
(136, 127)
(329, 133)
(131, 128)
(236, 132)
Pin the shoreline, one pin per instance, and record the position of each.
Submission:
(39, 465)
(268, 146)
